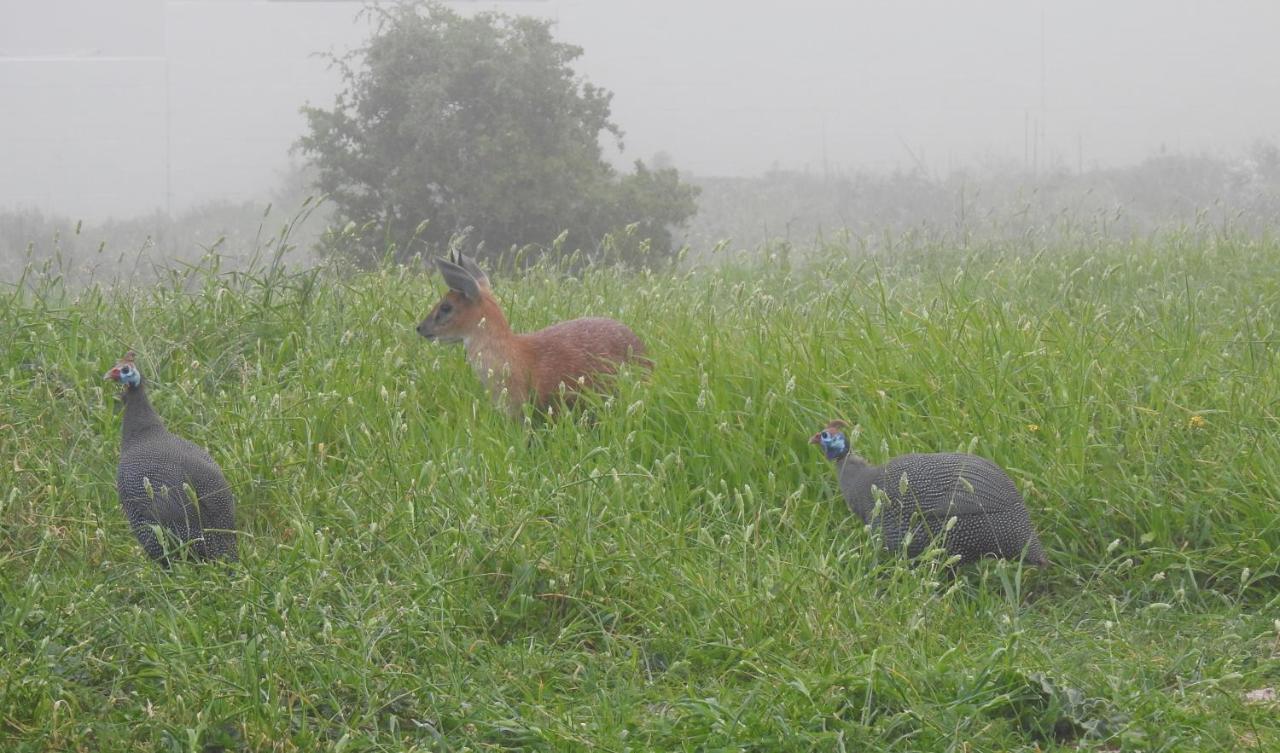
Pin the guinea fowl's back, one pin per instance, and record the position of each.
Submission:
(156, 478)
(168, 485)
(991, 517)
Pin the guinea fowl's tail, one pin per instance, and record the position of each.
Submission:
(1035, 555)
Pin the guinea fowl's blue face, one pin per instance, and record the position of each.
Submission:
(834, 444)
(125, 373)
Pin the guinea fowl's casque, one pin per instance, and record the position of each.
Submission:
(921, 493)
(167, 485)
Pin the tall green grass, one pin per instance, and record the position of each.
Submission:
(672, 568)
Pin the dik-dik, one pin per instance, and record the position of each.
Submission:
(518, 368)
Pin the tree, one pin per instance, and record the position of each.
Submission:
(478, 122)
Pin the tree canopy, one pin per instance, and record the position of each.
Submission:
(479, 122)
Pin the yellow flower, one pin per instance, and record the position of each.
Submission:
(1197, 422)
(1033, 428)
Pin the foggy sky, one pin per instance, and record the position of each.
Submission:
(725, 87)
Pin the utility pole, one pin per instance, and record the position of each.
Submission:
(1044, 114)
(168, 117)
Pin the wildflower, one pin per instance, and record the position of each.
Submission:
(1033, 428)
(1197, 422)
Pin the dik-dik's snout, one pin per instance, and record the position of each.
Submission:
(431, 331)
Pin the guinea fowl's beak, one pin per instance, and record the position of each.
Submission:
(113, 375)
(816, 438)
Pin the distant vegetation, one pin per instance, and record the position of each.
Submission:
(1196, 198)
(448, 122)
(672, 569)
(139, 249)
(1201, 194)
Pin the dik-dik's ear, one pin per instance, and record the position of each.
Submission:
(469, 264)
(459, 279)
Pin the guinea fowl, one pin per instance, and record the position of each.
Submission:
(173, 493)
(922, 493)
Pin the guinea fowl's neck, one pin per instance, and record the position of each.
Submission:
(139, 416)
(852, 463)
(857, 480)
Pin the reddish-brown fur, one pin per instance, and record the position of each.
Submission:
(533, 366)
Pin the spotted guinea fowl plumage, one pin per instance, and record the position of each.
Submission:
(921, 493)
(168, 485)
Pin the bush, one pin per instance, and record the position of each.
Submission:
(476, 122)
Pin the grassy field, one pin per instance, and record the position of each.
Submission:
(673, 569)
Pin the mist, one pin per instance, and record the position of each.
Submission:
(145, 107)
(623, 375)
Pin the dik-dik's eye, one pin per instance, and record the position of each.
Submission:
(445, 309)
